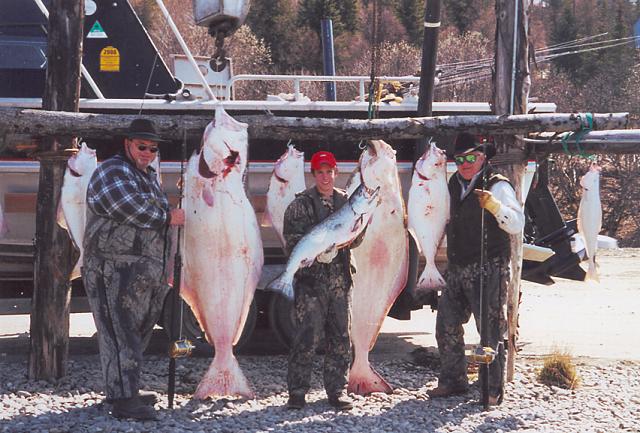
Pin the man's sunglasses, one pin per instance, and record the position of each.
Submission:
(470, 158)
(152, 149)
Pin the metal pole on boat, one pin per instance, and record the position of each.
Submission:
(328, 63)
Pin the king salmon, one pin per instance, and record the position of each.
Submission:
(222, 250)
(590, 217)
(286, 181)
(337, 230)
(428, 208)
(382, 259)
(72, 212)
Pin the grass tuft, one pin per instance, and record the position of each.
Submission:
(559, 370)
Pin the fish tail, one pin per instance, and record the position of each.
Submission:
(363, 380)
(430, 278)
(282, 284)
(592, 271)
(224, 377)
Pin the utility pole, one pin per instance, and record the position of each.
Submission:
(425, 108)
(511, 83)
(54, 253)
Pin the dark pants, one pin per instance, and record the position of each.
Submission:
(126, 298)
(321, 313)
(461, 298)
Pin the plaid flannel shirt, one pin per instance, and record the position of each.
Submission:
(119, 191)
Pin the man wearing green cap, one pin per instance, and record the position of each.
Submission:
(477, 192)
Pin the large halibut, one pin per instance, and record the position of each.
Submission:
(222, 250)
(382, 260)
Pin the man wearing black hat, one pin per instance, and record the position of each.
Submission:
(476, 192)
(125, 264)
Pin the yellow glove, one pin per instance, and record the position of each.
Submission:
(488, 201)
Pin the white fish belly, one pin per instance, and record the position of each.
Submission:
(279, 196)
(428, 213)
(222, 263)
(382, 262)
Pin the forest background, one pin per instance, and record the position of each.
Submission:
(283, 37)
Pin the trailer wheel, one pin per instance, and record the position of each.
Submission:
(192, 331)
(281, 319)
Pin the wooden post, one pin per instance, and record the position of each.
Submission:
(511, 90)
(55, 254)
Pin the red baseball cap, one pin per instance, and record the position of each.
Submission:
(323, 157)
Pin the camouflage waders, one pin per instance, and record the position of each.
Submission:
(460, 298)
(322, 301)
(126, 293)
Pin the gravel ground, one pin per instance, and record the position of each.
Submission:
(608, 400)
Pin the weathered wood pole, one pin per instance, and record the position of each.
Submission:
(511, 82)
(55, 254)
(425, 109)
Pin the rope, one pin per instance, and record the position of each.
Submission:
(586, 126)
(153, 67)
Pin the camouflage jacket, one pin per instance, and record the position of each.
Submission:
(305, 212)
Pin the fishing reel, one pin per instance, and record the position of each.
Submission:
(181, 348)
(481, 355)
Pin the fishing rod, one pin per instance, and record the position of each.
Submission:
(179, 347)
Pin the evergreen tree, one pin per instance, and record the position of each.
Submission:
(411, 15)
(343, 13)
(462, 14)
(273, 22)
(565, 29)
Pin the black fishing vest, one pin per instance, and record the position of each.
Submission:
(463, 230)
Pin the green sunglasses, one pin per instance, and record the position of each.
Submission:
(470, 158)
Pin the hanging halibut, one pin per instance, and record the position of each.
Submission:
(72, 212)
(590, 217)
(428, 209)
(222, 250)
(382, 260)
(286, 181)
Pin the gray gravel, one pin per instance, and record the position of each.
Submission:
(608, 400)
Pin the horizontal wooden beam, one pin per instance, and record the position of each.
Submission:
(40, 123)
(617, 141)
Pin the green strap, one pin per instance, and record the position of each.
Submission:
(586, 126)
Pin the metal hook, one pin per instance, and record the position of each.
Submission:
(362, 145)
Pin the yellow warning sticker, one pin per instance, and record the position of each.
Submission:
(110, 59)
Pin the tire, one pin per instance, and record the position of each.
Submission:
(192, 331)
(282, 319)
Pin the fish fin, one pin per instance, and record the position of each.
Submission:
(266, 220)
(413, 234)
(224, 377)
(60, 218)
(431, 279)
(592, 271)
(207, 196)
(76, 271)
(282, 284)
(363, 380)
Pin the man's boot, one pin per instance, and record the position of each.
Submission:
(133, 408)
(146, 397)
(296, 401)
(447, 391)
(340, 401)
